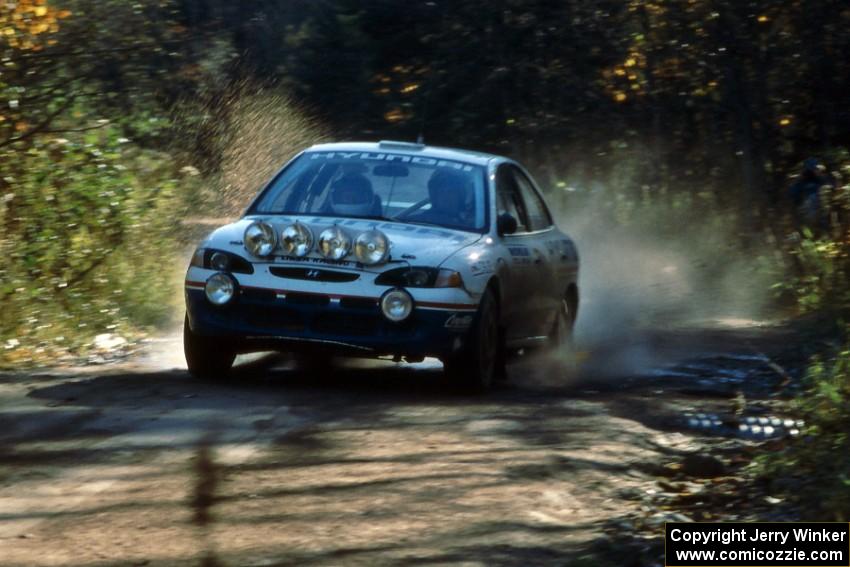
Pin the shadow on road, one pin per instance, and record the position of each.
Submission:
(360, 462)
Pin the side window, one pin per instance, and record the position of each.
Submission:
(509, 200)
(538, 215)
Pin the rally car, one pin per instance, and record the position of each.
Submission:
(386, 249)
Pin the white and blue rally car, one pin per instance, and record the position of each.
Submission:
(386, 249)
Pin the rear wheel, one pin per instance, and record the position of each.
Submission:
(482, 361)
(561, 344)
(206, 357)
(561, 337)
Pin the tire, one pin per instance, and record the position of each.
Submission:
(482, 361)
(206, 357)
(561, 347)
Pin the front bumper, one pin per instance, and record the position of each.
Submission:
(262, 319)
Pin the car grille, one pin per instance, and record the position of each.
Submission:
(314, 274)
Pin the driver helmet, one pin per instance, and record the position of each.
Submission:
(449, 191)
(352, 194)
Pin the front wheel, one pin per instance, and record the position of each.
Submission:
(482, 361)
(206, 357)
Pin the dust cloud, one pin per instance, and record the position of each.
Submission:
(662, 271)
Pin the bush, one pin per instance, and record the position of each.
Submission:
(819, 278)
(87, 228)
(815, 469)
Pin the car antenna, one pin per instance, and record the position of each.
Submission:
(420, 139)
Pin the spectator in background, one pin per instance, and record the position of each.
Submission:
(806, 196)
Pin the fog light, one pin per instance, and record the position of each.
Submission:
(397, 305)
(220, 289)
(334, 243)
(297, 240)
(372, 247)
(260, 239)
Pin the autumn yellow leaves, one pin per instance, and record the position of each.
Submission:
(26, 24)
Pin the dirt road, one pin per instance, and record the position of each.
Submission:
(138, 464)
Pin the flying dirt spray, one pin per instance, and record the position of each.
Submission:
(245, 136)
(660, 270)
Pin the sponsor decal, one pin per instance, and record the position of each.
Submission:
(519, 251)
(520, 255)
(323, 261)
(481, 267)
(457, 321)
(400, 158)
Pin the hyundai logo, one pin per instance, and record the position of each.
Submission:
(313, 274)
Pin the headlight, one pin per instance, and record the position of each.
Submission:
(420, 276)
(372, 247)
(220, 261)
(220, 289)
(334, 244)
(397, 305)
(296, 239)
(259, 239)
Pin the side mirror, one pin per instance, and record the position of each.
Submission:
(506, 224)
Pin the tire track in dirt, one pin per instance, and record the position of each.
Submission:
(374, 463)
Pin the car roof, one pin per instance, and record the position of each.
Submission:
(469, 156)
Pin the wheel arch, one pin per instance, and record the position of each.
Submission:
(494, 284)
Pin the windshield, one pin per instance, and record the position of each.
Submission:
(387, 186)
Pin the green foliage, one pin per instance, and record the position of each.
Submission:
(814, 470)
(819, 281)
(819, 276)
(87, 225)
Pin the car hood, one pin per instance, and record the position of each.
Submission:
(420, 245)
